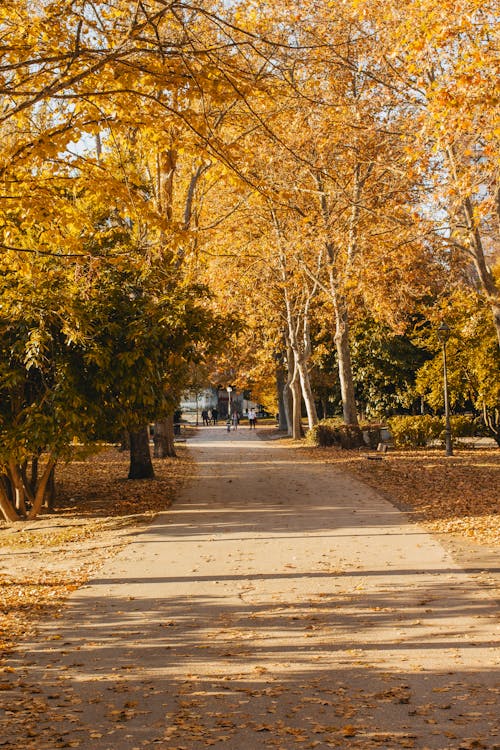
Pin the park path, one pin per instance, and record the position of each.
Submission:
(278, 604)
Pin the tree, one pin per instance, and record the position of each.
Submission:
(443, 59)
(473, 360)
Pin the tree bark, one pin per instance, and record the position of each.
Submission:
(294, 386)
(7, 509)
(288, 401)
(282, 394)
(125, 442)
(339, 303)
(164, 438)
(491, 418)
(18, 487)
(42, 486)
(344, 361)
(141, 466)
(49, 499)
(305, 383)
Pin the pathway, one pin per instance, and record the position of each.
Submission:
(278, 604)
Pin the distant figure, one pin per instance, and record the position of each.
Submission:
(235, 420)
(228, 424)
(215, 416)
(204, 416)
(252, 418)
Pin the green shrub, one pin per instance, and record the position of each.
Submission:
(415, 432)
(462, 426)
(329, 432)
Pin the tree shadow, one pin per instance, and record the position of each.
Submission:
(342, 670)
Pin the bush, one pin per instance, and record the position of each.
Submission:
(462, 426)
(329, 432)
(414, 432)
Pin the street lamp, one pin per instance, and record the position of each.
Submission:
(443, 335)
(229, 390)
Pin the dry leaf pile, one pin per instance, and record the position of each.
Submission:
(43, 560)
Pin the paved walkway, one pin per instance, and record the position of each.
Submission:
(278, 604)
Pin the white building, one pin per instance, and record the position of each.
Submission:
(194, 402)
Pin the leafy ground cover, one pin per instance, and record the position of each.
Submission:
(42, 561)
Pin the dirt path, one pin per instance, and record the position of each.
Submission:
(278, 604)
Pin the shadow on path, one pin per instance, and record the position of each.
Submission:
(279, 604)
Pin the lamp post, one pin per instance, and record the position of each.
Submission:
(229, 390)
(444, 335)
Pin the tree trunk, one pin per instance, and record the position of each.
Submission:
(282, 394)
(297, 431)
(324, 408)
(344, 361)
(49, 499)
(287, 392)
(141, 466)
(18, 487)
(6, 508)
(491, 418)
(287, 405)
(125, 442)
(305, 383)
(338, 300)
(164, 438)
(296, 392)
(42, 486)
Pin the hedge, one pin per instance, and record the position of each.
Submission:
(419, 431)
(334, 432)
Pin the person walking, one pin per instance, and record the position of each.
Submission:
(215, 416)
(252, 418)
(235, 420)
(204, 416)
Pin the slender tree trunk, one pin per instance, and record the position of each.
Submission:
(296, 392)
(49, 499)
(324, 407)
(34, 474)
(305, 383)
(288, 404)
(170, 436)
(18, 486)
(141, 466)
(301, 350)
(297, 431)
(41, 489)
(6, 508)
(491, 419)
(339, 303)
(287, 392)
(282, 392)
(344, 361)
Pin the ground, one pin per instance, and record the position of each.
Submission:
(279, 602)
(41, 561)
(98, 509)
